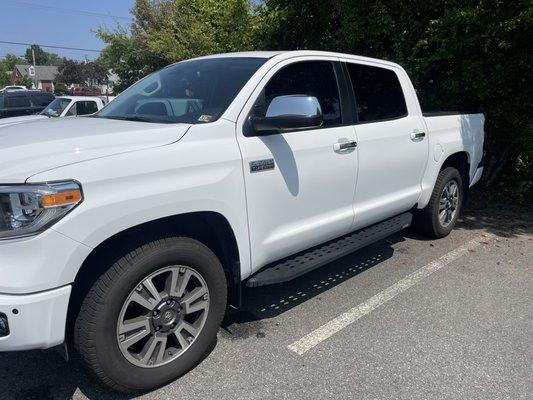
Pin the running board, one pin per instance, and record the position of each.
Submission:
(309, 260)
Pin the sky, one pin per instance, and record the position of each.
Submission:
(66, 23)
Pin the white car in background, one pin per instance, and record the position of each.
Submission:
(12, 88)
(64, 106)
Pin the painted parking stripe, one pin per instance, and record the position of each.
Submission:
(327, 330)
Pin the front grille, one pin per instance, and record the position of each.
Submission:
(4, 326)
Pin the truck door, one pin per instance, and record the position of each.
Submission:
(392, 142)
(302, 194)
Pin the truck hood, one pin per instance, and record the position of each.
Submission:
(41, 145)
(18, 120)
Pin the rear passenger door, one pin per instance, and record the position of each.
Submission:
(304, 197)
(392, 146)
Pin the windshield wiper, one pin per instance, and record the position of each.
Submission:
(126, 118)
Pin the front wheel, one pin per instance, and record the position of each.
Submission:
(439, 217)
(152, 315)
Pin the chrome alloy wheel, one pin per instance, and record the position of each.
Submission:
(163, 316)
(448, 203)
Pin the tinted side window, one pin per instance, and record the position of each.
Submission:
(41, 99)
(378, 94)
(86, 107)
(312, 78)
(18, 101)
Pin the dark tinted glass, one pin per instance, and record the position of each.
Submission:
(86, 107)
(41, 99)
(312, 78)
(378, 93)
(18, 101)
(195, 91)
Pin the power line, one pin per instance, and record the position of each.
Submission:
(65, 10)
(49, 46)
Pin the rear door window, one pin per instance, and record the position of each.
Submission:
(41, 99)
(18, 101)
(378, 93)
(86, 107)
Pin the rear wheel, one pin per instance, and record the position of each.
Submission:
(152, 315)
(439, 217)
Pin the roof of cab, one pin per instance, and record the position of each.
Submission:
(298, 53)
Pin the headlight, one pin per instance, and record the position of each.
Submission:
(29, 209)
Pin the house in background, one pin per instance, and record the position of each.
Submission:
(44, 76)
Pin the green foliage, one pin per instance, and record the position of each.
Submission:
(60, 89)
(461, 55)
(25, 81)
(164, 32)
(71, 71)
(6, 68)
(41, 57)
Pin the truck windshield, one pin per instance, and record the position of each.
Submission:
(56, 107)
(196, 91)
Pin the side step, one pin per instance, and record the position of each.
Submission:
(290, 268)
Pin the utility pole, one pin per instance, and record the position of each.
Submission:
(35, 75)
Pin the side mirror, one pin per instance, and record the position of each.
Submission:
(288, 113)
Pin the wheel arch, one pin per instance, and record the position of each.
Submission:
(209, 228)
(461, 161)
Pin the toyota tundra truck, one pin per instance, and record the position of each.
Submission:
(129, 233)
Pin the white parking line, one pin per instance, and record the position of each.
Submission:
(327, 330)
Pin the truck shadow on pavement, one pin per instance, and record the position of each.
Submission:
(44, 375)
(270, 301)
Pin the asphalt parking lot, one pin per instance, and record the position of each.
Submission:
(405, 318)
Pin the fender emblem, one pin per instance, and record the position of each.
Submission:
(262, 165)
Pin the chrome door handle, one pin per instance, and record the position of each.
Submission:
(344, 145)
(417, 136)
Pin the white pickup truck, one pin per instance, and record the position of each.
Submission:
(64, 106)
(128, 233)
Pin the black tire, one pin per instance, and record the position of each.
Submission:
(95, 330)
(427, 221)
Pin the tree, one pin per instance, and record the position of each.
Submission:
(90, 73)
(41, 57)
(469, 55)
(95, 73)
(6, 68)
(25, 81)
(168, 31)
(60, 89)
(71, 71)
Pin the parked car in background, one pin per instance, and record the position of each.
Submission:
(23, 102)
(12, 88)
(64, 106)
(128, 233)
(84, 91)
